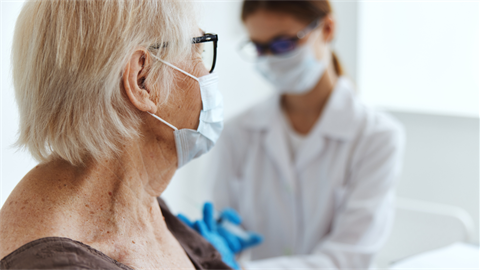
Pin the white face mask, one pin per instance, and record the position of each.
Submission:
(296, 73)
(191, 143)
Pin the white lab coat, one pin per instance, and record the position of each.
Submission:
(331, 207)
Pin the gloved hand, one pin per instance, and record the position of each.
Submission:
(223, 232)
(237, 238)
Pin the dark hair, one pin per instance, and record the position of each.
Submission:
(306, 11)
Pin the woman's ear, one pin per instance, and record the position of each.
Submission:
(328, 28)
(133, 81)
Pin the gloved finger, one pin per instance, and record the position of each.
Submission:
(232, 240)
(201, 228)
(233, 264)
(231, 215)
(253, 240)
(185, 220)
(209, 216)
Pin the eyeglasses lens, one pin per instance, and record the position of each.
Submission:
(208, 54)
(282, 46)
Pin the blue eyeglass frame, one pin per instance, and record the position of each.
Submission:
(281, 45)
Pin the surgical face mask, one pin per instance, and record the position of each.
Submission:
(191, 143)
(295, 73)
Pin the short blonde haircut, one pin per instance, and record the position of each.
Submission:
(68, 59)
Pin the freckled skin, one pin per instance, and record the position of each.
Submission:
(111, 204)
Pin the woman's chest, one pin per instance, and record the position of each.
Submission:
(296, 197)
(319, 166)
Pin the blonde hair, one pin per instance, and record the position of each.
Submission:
(68, 59)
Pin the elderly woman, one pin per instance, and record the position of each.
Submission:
(92, 80)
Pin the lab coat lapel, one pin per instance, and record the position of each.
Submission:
(277, 148)
(266, 119)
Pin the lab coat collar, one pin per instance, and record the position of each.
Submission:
(339, 119)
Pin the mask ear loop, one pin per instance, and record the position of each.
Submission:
(182, 71)
(163, 121)
(174, 67)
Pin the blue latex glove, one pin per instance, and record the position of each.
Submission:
(223, 232)
(207, 227)
(237, 238)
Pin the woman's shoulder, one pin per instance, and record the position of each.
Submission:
(378, 121)
(31, 210)
(379, 134)
(369, 120)
(378, 129)
(58, 252)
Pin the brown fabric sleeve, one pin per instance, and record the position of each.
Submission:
(59, 253)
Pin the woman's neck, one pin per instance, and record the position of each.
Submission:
(138, 176)
(304, 110)
(118, 195)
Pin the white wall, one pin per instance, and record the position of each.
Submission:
(13, 164)
(442, 160)
(420, 56)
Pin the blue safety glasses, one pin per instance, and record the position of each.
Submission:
(281, 45)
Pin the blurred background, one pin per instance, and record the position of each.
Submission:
(417, 60)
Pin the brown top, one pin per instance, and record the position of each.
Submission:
(65, 253)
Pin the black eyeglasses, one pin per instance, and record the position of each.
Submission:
(209, 49)
(280, 45)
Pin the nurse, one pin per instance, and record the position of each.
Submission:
(312, 168)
